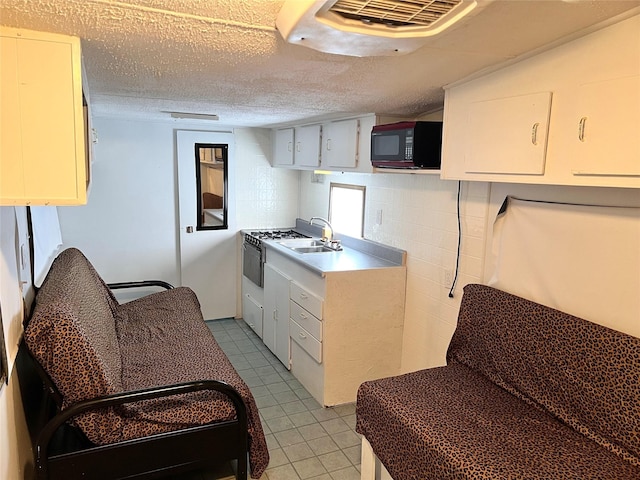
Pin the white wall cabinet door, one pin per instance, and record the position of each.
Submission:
(42, 153)
(508, 135)
(307, 146)
(275, 324)
(340, 144)
(283, 147)
(606, 138)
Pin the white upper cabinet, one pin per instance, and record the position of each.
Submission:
(340, 146)
(43, 156)
(566, 116)
(604, 122)
(297, 147)
(283, 147)
(307, 146)
(508, 135)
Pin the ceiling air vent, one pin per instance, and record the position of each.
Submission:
(395, 13)
(370, 27)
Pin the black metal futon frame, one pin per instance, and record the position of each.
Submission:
(62, 451)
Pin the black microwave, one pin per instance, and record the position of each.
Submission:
(407, 145)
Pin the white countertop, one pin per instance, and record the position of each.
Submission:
(347, 259)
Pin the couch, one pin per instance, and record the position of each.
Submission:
(139, 389)
(528, 392)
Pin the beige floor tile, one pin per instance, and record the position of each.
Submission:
(334, 461)
(311, 467)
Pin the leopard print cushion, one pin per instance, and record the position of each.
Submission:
(581, 372)
(453, 423)
(158, 352)
(91, 346)
(72, 335)
(483, 415)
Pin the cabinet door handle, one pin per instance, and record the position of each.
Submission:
(290, 146)
(581, 125)
(297, 146)
(302, 335)
(328, 144)
(534, 133)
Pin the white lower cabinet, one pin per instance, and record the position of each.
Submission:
(275, 324)
(252, 313)
(341, 331)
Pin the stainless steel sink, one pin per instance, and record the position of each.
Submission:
(317, 249)
(306, 245)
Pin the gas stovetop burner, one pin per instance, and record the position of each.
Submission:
(255, 237)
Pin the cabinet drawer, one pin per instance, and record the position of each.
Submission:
(306, 299)
(307, 321)
(252, 313)
(303, 338)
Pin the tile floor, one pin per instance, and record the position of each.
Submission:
(305, 440)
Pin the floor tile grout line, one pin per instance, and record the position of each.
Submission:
(243, 346)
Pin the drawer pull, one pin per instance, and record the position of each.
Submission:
(581, 126)
(303, 296)
(302, 315)
(534, 133)
(302, 335)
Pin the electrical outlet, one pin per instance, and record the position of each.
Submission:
(448, 277)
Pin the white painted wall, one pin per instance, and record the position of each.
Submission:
(128, 229)
(419, 216)
(15, 450)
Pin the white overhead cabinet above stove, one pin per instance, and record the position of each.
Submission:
(297, 147)
(341, 145)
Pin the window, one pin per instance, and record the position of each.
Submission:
(346, 209)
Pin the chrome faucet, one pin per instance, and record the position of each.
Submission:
(331, 243)
(328, 225)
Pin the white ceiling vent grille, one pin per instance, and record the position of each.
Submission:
(395, 13)
(370, 27)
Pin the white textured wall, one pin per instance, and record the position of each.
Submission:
(15, 450)
(266, 197)
(128, 229)
(419, 216)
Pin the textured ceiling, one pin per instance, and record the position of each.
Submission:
(145, 57)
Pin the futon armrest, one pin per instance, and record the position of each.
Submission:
(47, 433)
(143, 283)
